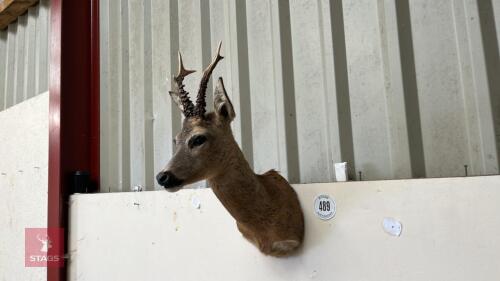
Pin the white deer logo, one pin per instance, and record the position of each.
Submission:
(46, 243)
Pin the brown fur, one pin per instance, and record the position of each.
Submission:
(265, 207)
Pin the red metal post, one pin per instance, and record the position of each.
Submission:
(95, 96)
(73, 105)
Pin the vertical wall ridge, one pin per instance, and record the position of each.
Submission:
(264, 83)
(125, 102)
(208, 47)
(19, 58)
(105, 17)
(473, 78)
(3, 68)
(245, 107)
(22, 60)
(136, 74)
(399, 151)
(43, 22)
(412, 107)
(327, 71)
(174, 49)
(166, 116)
(346, 142)
(289, 109)
(491, 53)
(10, 66)
(149, 171)
(30, 49)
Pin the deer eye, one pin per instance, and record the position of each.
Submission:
(197, 141)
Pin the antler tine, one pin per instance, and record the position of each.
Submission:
(182, 71)
(200, 99)
(187, 104)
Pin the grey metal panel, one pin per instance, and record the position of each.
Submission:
(3, 67)
(315, 94)
(24, 56)
(166, 119)
(43, 33)
(113, 160)
(137, 121)
(229, 25)
(475, 90)
(398, 89)
(438, 80)
(10, 63)
(265, 79)
(29, 56)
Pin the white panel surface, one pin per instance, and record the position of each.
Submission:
(450, 231)
(24, 135)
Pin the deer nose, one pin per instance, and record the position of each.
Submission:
(168, 180)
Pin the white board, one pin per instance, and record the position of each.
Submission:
(450, 231)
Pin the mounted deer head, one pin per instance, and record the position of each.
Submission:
(265, 206)
(202, 142)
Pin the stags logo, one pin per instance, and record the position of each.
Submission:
(44, 247)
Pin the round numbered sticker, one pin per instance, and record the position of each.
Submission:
(324, 206)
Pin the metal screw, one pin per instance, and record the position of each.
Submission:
(360, 177)
(465, 167)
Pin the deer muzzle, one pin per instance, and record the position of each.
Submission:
(168, 180)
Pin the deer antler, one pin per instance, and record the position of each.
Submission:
(185, 103)
(200, 99)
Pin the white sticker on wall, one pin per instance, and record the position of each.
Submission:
(324, 207)
(392, 226)
(195, 201)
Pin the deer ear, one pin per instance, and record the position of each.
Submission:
(222, 105)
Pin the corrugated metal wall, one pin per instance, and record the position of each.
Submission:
(399, 89)
(24, 53)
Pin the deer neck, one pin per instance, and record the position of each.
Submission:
(238, 187)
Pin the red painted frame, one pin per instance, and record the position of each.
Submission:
(73, 105)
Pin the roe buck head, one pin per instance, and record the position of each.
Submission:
(265, 207)
(206, 138)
